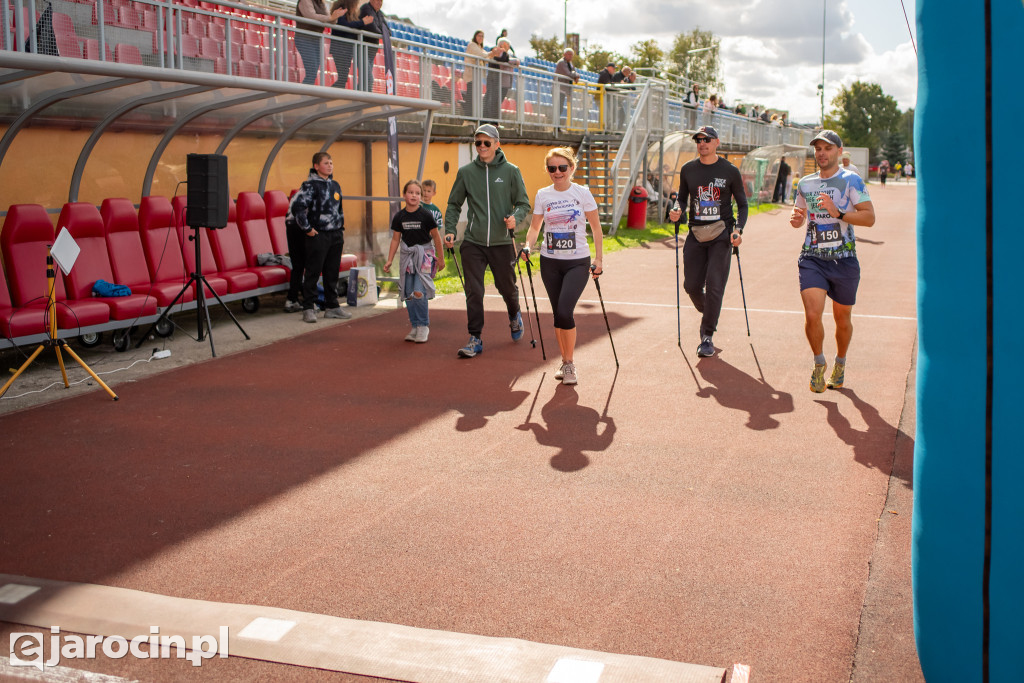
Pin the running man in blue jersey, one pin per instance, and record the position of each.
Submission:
(831, 202)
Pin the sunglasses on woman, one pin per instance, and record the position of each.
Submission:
(561, 168)
(485, 143)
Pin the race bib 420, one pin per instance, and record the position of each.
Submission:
(564, 242)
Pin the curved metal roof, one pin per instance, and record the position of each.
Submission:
(98, 95)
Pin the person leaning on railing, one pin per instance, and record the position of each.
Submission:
(346, 16)
(312, 15)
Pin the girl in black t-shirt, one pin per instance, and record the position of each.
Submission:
(415, 233)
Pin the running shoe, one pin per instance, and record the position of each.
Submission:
(474, 346)
(338, 312)
(706, 348)
(560, 373)
(309, 316)
(818, 378)
(422, 332)
(292, 306)
(568, 374)
(517, 327)
(838, 375)
(412, 334)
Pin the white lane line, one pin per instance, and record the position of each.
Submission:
(727, 308)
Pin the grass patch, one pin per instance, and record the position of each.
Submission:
(447, 280)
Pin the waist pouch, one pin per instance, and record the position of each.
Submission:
(706, 233)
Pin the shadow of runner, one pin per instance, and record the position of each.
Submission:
(736, 390)
(873, 446)
(572, 429)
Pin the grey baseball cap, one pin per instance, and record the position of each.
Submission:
(829, 136)
(488, 130)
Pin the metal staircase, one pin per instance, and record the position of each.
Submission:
(596, 154)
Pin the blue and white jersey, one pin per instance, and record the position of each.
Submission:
(565, 220)
(827, 237)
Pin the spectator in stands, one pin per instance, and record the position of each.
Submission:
(499, 79)
(316, 208)
(376, 25)
(474, 63)
(625, 75)
(504, 34)
(765, 116)
(607, 74)
(312, 15)
(346, 16)
(567, 76)
(707, 111)
(693, 97)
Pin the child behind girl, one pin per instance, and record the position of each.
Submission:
(414, 229)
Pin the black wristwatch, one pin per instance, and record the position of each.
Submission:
(841, 214)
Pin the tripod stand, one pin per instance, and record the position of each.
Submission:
(54, 341)
(202, 310)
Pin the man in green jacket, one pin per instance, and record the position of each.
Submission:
(496, 197)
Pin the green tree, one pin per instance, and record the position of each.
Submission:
(696, 56)
(595, 58)
(894, 147)
(907, 126)
(862, 114)
(647, 54)
(547, 48)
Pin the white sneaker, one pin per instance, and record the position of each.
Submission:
(560, 373)
(421, 334)
(568, 374)
(309, 316)
(413, 334)
(292, 306)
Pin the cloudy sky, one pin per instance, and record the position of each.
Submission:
(771, 50)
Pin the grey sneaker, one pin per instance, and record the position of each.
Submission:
(569, 374)
(292, 306)
(412, 334)
(474, 346)
(309, 316)
(421, 334)
(706, 348)
(560, 373)
(338, 312)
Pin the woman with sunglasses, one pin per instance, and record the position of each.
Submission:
(565, 209)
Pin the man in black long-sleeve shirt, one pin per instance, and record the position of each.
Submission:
(707, 187)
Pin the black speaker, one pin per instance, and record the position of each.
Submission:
(207, 191)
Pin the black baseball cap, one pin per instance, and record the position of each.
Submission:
(707, 131)
(829, 136)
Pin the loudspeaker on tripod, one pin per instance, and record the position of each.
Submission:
(207, 191)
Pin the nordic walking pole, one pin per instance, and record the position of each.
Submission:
(601, 299)
(451, 250)
(521, 283)
(736, 250)
(529, 275)
(679, 326)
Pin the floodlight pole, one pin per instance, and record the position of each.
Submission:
(824, 7)
(565, 23)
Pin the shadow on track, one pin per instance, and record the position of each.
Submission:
(873, 446)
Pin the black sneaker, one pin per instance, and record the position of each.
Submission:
(706, 348)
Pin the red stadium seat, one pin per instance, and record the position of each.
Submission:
(252, 225)
(85, 224)
(160, 242)
(128, 257)
(277, 208)
(24, 240)
(127, 54)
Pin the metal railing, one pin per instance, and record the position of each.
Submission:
(238, 40)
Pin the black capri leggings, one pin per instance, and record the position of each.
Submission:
(565, 281)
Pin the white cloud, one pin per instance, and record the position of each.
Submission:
(771, 52)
